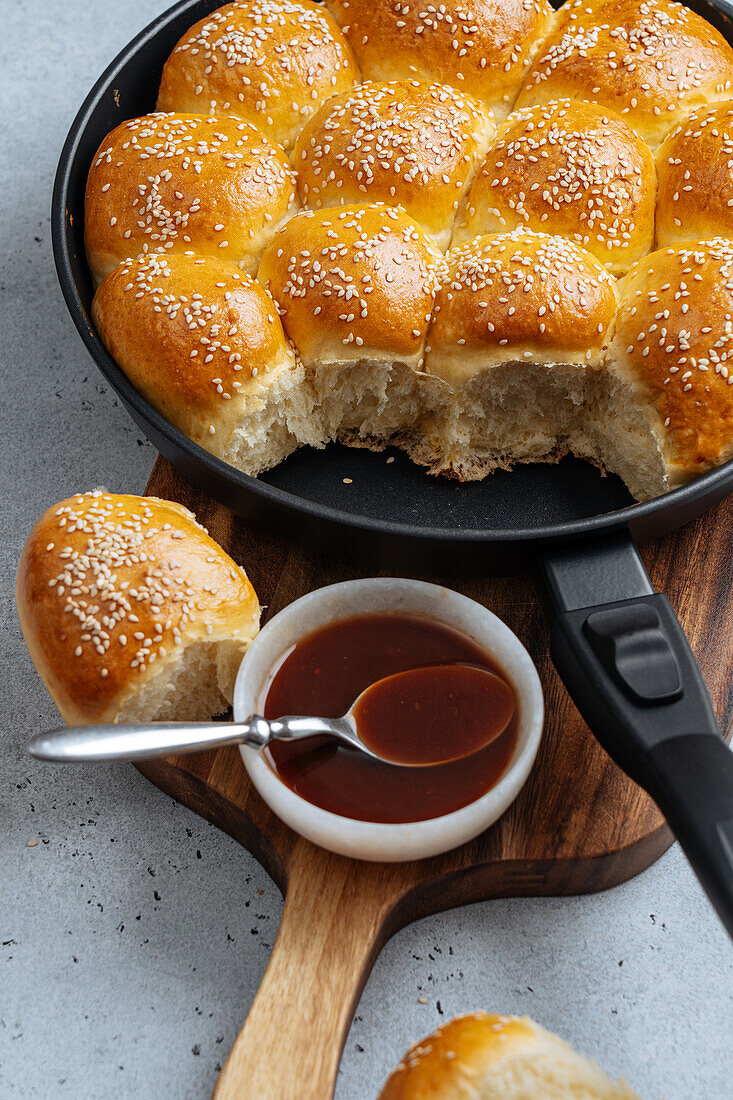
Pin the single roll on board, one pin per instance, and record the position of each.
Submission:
(131, 612)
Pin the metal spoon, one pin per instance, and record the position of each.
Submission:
(138, 740)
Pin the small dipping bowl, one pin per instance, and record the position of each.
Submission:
(384, 595)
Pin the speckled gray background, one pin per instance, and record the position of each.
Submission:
(133, 934)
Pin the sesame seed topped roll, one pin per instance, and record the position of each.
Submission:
(672, 342)
(520, 295)
(652, 61)
(352, 283)
(185, 183)
(483, 1056)
(204, 345)
(695, 169)
(405, 143)
(131, 612)
(271, 62)
(482, 48)
(572, 169)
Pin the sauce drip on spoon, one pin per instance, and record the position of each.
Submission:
(433, 715)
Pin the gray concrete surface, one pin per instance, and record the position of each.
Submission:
(133, 934)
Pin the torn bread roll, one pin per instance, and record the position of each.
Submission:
(271, 62)
(203, 343)
(483, 1056)
(354, 286)
(671, 349)
(517, 336)
(185, 183)
(131, 612)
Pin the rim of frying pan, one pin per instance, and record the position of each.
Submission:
(711, 485)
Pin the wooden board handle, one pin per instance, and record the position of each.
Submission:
(331, 930)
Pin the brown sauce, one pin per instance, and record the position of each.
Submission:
(433, 715)
(324, 674)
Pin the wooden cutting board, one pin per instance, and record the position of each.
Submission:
(578, 826)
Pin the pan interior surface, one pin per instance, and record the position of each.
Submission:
(365, 483)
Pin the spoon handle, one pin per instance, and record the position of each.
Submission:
(138, 740)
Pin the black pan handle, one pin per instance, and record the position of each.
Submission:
(628, 666)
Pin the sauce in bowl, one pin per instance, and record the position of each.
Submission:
(325, 672)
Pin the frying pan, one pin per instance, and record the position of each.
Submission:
(617, 644)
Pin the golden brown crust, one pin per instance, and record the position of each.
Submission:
(518, 295)
(109, 589)
(572, 169)
(406, 143)
(483, 1056)
(695, 168)
(200, 340)
(272, 62)
(673, 339)
(482, 48)
(180, 183)
(353, 282)
(652, 61)
(448, 1062)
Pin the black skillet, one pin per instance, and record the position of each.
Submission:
(616, 643)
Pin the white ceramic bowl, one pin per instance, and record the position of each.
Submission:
(375, 595)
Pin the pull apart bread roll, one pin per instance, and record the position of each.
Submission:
(185, 183)
(572, 169)
(405, 143)
(204, 345)
(483, 48)
(652, 61)
(695, 167)
(518, 330)
(354, 286)
(271, 62)
(488, 1057)
(671, 351)
(131, 612)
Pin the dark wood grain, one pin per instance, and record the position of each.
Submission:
(579, 825)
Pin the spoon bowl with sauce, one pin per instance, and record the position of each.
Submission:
(433, 715)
